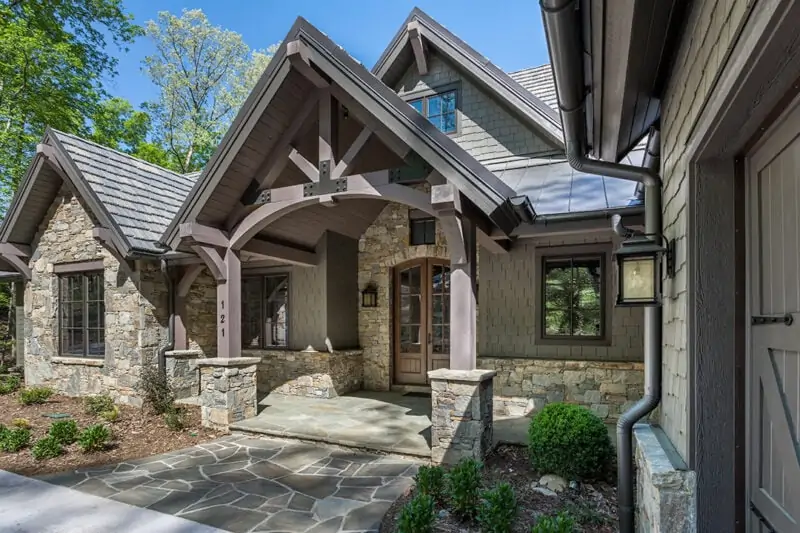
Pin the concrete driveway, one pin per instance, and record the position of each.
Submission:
(242, 484)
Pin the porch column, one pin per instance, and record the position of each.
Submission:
(17, 326)
(463, 314)
(229, 307)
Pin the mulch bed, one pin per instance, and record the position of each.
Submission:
(136, 433)
(593, 506)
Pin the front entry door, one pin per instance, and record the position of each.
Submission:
(773, 362)
(421, 319)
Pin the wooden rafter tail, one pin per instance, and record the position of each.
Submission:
(417, 44)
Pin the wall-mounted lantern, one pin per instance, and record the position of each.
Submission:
(369, 296)
(639, 271)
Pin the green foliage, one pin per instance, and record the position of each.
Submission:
(417, 516)
(573, 297)
(463, 487)
(155, 390)
(430, 481)
(94, 405)
(23, 423)
(497, 509)
(559, 523)
(34, 395)
(587, 514)
(64, 431)
(112, 415)
(175, 419)
(13, 440)
(570, 441)
(9, 384)
(47, 448)
(94, 438)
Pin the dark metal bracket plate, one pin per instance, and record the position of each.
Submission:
(786, 319)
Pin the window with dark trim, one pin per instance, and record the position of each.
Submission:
(440, 109)
(82, 314)
(265, 311)
(573, 297)
(421, 228)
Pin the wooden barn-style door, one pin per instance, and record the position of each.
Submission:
(773, 361)
(421, 319)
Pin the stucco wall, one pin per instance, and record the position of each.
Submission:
(711, 30)
(486, 130)
(134, 311)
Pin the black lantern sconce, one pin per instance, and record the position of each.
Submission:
(639, 271)
(369, 296)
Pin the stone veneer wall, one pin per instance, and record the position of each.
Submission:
(201, 315)
(134, 310)
(308, 373)
(183, 373)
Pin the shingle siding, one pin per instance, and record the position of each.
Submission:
(711, 31)
(486, 130)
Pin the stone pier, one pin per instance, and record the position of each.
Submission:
(227, 390)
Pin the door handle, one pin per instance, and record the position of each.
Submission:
(787, 319)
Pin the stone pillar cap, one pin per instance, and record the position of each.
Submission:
(229, 361)
(476, 375)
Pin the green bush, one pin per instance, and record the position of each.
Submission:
(430, 481)
(64, 431)
(46, 448)
(463, 487)
(32, 395)
(155, 390)
(95, 405)
(13, 440)
(417, 516)
(112, 415)
(9, 384)
(560, 523)
(175, 418)
(497, 509)
(570, 441)
(94, 438)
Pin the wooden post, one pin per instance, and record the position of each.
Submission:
(17, 329)
(463, 314)
(229, 307)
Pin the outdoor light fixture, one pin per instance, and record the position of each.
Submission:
(369, 296)
(639, 271)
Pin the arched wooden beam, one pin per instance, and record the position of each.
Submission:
(189, 275)
(213, 260)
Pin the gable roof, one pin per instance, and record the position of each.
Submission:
(538, 81)
(528, 107)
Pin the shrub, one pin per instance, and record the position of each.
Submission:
(175, 418)
(112, 415)
(463, 487)
(94, 438)
(46, 448)
(64, 431)
(560, 523)
(95, 405)
(13, 440)
(497, 509)
(9, 384)
(23, 423)
(3, 368)
(417, 516)
(430, 481)
(570, 441)
(32, 395)
(155, 390)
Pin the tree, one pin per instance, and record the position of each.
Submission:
(54, 55)
(204, 73)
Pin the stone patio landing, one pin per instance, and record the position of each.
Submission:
(382, 421)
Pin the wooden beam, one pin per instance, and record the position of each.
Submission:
(305, 166)
(229, 307)
(325, 158)
(213, 260)
(19, 250)
(463, 301)
(446, 198)
(106, 238)
(281, 252)
(190, 274)
(298, 55)
(19, 264)
(344, 166)
(415, 37)
(202, 234)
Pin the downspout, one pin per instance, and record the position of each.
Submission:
(563, 26)
(170, 345)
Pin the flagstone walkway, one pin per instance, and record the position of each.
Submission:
(243, 484)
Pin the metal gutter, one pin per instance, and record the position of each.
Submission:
(170, 345)
(563, 26)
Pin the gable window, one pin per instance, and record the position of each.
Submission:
(440, 109)
(421, 228)
(573, 297)
(265, 311)
(82, 314)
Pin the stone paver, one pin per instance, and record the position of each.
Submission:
(243, 484)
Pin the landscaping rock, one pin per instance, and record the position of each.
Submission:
(545, 491)
(553, 482)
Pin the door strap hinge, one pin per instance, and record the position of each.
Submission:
(762, 518)
(786, 319)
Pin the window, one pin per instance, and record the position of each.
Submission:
(265, 311)
(422, 228)
(83, 314)
(440, 109)
(573, 297)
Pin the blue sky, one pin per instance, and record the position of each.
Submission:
(508, 32)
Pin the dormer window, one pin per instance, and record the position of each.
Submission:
(440, 109)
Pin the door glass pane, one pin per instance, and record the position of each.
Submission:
(410, 310)
(251, 312)
(409, 339)
(440, 308)
(277, 317)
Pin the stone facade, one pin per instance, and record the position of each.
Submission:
(665, 500)
(308, 373)
(201, 315)
(461, 414)
(523, 386)
(135, 310)
(227, 390)
(183, 373)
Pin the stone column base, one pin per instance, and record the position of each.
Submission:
(461, 414)
(227, 390)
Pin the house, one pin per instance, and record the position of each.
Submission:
(719, 83)
(354, 229)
